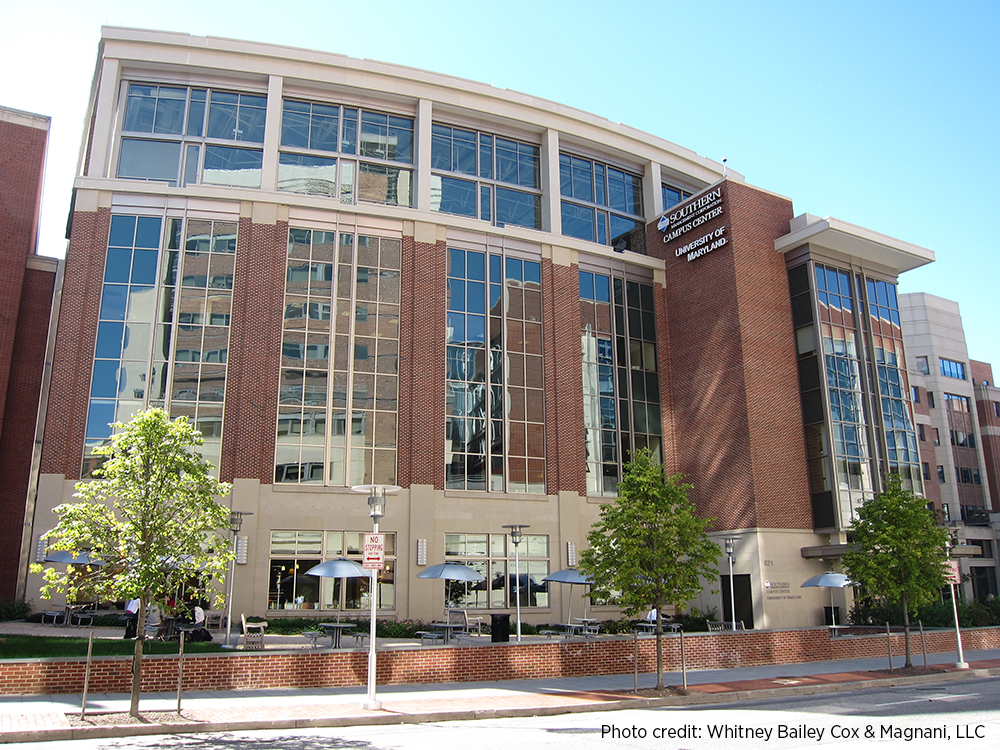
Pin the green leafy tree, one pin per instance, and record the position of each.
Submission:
(150, 517)
(650, 549)
(899, 550)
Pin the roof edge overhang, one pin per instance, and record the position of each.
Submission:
(851, 240)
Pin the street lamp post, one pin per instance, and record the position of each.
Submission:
(515, 538)
(730, 553)
(953, 577)
(376, 509)
(235, 522)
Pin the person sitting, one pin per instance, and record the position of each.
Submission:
(131, 617)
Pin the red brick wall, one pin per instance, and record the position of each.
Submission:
(422, 352)
(254, 352)
(732, 418)
(25, 304)
(310, 669)
(22, 161)
(18, 437)
(66, 420)
(565, 458)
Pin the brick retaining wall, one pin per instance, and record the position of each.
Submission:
(316, 669)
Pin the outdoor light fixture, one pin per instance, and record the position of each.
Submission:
(515, 538)
(235, 522)
(421, 552)
(954, 552)
(730, 553)
(376, 509)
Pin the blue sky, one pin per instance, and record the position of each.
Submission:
(880, 114)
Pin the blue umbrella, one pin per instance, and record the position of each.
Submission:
(72, 558)
(829, 580)
(341, 567)
(572, 576)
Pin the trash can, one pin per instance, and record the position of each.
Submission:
(500, 628)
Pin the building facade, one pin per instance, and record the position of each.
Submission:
(956, 419)
(28, 285)
(351, 273)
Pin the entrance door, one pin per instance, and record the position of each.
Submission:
(744, 599)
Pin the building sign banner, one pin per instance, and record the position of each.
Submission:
(690, 216)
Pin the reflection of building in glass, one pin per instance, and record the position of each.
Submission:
(350, 273)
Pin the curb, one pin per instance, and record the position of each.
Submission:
(388, 719)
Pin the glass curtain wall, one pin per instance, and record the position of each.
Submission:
(163, 334)
(346, 153)
(621, 386)
(485, 176)
(340, 360)
(857, 362)
(603, 204)
(495, 406)
(182, 135)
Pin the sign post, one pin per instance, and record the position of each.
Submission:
(373, 552)
(954, 576)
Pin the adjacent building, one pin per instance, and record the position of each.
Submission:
(346, 273)
(956, 407)
(28, 285)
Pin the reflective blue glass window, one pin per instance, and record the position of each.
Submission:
(520, 209)
(143, 266)
(104, 383)
(454, 196)
(114, 298)
(349, 138)
(119, 262)
(109, 339)
(99, 418)
(122, 231)
(578, 221)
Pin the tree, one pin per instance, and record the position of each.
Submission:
(150, 518)
(899, 551)
(650, 548)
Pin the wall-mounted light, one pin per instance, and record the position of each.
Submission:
(242, 546)
(421, 552)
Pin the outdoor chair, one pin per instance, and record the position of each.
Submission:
(253, 634)
(724, 627)
(461, 617)
(214, 620)
(82, 614)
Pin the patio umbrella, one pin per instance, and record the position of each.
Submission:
(572, 576)
(829, 580)
(73, 558)
(338, 568)
(451, 571)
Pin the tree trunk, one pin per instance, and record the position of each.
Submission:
(906, 632)
(659, 650)
(140, 636)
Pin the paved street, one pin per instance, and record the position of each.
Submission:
(961, 710)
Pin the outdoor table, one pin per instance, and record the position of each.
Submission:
(448, 627)
(335, 630)
(569, 628)
(589, 625)
(186, 627)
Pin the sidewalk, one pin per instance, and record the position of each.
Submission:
(46, 718)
